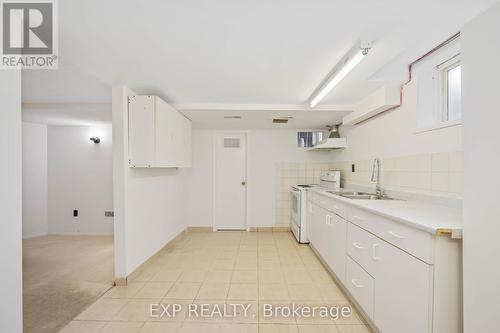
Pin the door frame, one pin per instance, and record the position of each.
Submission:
(214, 172)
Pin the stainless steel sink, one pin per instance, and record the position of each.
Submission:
(363, 196)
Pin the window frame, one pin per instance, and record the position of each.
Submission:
(313, 132)
(443, 99)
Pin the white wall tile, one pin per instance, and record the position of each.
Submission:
(456, 161)
(429, 173)
(441, 162)
(423, 163)
(440, 182)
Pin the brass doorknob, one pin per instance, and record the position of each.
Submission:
(243, 183)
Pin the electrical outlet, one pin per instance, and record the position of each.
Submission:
(75, 213)
(109, 213)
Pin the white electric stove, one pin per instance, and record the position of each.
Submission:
(298, 193)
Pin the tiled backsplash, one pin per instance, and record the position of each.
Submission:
(289, 174)
(433, 174)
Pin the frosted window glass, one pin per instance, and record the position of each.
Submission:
(454, 94)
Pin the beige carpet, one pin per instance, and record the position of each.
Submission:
(62, 275)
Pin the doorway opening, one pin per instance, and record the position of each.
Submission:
(67, 221)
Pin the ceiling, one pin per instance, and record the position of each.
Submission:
(251, 119)
(67, 114)
(226, 52)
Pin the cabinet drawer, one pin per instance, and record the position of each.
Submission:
(333, 205)
(313, 197)
(337, 207)
(416, 242)
(362, 247)
(323, 200)
(361, 286)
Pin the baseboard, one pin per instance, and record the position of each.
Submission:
(80, 233)
(35, 235)
(269, 229)
(199, 229)
(122, 281)
(281, 229)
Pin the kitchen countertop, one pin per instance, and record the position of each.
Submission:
(435, 218)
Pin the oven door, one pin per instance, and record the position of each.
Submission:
(295, 212)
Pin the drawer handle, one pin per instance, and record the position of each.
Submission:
(358, 246)
(356, 284)
(392, 233)
(357, 217)
(374, 252)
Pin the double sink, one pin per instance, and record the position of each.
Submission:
(362, 195)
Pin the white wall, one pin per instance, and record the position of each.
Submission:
(11, 312)
(80, 176)
(150, 204)
(392, 134)
(35, 196)
(265, 149)
(481, 70)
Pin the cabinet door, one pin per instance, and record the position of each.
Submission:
(187, 145)
(321, 217)
(402, 291)
(335, 243)
(311, 231)
(141, 131)
(167, 150)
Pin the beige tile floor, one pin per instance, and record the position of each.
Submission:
(223, 268)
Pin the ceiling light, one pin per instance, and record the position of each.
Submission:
(351, 60)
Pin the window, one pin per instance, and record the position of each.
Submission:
(439, 89)
(309, 139)
(450, 74)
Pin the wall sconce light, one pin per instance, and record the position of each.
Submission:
(95, 139)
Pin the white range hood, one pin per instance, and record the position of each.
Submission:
(329, 144)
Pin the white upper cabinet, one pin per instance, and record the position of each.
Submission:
(159, 135)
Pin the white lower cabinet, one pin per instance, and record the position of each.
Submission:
(403, 293)
(361, 285)
(335, 244)
(404, 280)
(327, 233)
(312, 223)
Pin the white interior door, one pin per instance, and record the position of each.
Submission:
(230, 181)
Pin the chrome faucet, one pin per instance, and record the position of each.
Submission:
(376, 177)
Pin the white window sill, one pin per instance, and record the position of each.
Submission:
(444, 124)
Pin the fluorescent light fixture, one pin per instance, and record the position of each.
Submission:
(332, 81)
